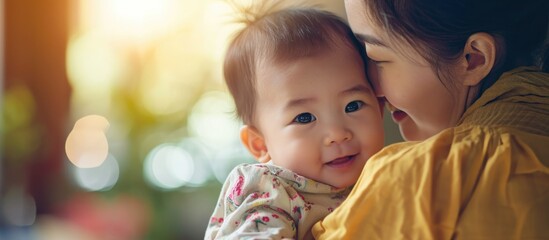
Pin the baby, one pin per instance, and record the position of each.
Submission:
(297, 76)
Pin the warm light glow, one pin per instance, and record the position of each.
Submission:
(174, 75)
(135, 20)
(219, 21)
(93, 69)
(87, 145)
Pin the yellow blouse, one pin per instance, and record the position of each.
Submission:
(487, 178)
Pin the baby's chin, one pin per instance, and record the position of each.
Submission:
(346, 184)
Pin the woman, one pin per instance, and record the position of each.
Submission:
(462, 84)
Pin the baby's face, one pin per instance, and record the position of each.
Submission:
(319, 116)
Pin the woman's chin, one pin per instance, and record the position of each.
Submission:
(410, 131)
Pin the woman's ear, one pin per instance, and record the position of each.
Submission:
(478, 58)
(255, 143)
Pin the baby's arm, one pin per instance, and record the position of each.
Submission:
(253, 203)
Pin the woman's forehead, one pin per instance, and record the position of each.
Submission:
(371, 33)
(363, 24)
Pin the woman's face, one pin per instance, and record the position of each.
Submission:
(420, 103)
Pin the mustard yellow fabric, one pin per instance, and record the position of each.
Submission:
(487, 178)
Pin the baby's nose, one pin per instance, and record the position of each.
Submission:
(337, 134)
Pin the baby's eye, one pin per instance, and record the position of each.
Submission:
(354, 106)
(304, 118)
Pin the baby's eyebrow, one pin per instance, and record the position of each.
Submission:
(361, 88)
(296, 102)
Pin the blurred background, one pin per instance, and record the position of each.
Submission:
(116, 123)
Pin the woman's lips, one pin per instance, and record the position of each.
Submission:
(396, 114)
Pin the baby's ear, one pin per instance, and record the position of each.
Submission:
(255, 143)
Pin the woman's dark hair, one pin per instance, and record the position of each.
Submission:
(439, 29)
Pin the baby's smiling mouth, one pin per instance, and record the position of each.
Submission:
(341, 161)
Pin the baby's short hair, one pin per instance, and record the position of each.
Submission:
(276, 36)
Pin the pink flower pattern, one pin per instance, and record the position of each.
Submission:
(237, 189)
(256, 202)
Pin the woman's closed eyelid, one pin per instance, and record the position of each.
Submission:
(377, 57)
(377, 61)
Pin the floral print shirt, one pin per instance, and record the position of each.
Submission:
(263, 201)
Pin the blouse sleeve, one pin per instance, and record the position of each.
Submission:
(399, 195)
(253, 204)
(476, 183)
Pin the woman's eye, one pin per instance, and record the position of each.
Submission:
(304, 118)
(354, 106)
(376, 62)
